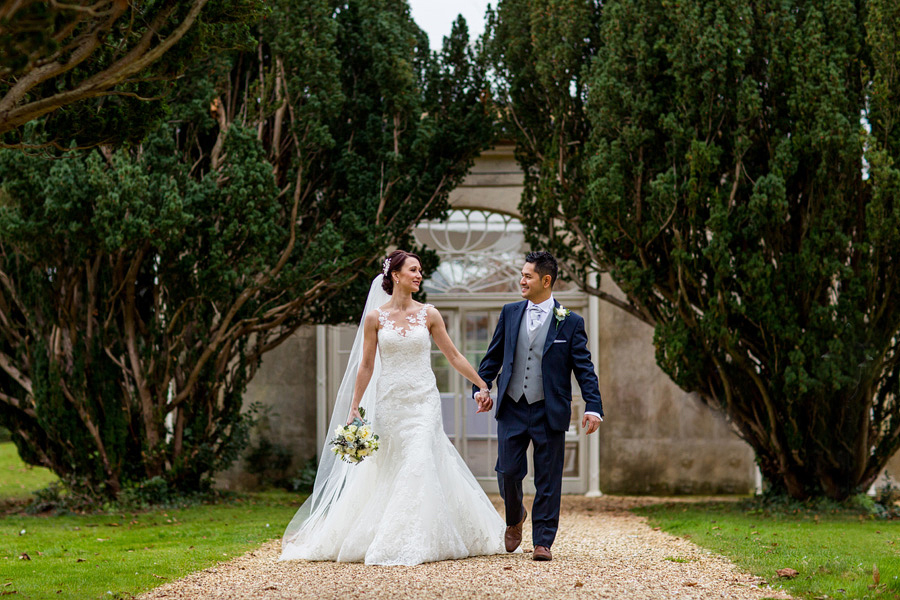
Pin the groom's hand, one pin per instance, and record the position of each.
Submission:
(591, 422)
(485, 403)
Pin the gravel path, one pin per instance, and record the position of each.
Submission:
(602, 551)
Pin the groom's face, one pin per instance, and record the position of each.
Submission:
(533, 286)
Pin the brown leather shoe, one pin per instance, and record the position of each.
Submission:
(513, 536)
(541, 553)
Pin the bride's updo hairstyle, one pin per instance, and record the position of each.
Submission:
(394, 262)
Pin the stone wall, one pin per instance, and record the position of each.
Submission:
(656, 438)
(286, 386)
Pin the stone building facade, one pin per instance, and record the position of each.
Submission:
(656, 439)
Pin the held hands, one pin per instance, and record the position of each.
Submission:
(485, 403)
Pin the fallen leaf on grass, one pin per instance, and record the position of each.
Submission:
(24, 556)
(876, 575)
(158, 576)
(81, 560)
(787, 573)
(8, 593)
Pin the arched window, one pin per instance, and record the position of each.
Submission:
(480, 251)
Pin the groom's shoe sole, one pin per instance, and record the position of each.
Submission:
(513, 536)
(541, 553)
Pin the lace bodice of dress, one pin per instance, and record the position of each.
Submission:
(404, 348)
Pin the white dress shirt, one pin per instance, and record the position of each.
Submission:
(545, 307)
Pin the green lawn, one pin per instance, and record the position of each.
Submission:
(18, 480)
(834, 553)
(86, 556)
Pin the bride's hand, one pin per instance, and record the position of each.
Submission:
(354, 414)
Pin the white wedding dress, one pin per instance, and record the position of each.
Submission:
(414, 500)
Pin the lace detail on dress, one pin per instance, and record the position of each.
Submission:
(417, 320)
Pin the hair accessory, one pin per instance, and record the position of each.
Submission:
(387, 265)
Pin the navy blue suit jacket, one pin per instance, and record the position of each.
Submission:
(565, 352)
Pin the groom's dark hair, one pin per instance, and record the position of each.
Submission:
(544, 264)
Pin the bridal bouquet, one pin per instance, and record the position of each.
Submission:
(353, 442)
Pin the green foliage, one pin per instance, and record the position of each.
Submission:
(540, 50)
(728, 187)
(269, 461)
(142, 286)
(833, 548)
(97, 68)
(306, 478)
(880, 506)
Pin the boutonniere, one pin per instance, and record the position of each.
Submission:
(560, 312)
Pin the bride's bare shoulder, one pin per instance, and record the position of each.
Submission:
(432, 314)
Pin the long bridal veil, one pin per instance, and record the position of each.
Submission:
(333, 474)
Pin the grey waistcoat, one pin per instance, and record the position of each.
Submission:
(526, 369)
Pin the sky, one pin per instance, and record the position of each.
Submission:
(436, 17)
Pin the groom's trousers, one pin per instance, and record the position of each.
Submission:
(519, 424)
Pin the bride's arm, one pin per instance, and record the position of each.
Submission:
(457, 360)
(366, 363)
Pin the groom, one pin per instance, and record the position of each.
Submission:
(536, 348)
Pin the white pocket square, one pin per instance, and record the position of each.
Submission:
(559, 341)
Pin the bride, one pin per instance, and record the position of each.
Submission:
(414, 500)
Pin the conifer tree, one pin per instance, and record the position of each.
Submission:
(732, 166)
(141, 287)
